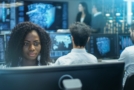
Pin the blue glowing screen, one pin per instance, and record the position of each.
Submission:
(2, 48)
(4, 16)
(124, 41)
(48, 15)
(61, 44)
(103, 46)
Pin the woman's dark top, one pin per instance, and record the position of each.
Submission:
(87, 19)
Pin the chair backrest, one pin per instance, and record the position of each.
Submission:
(129, 84)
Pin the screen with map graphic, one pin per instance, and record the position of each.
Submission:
(124, 41)
(61, 44)
(103, 46)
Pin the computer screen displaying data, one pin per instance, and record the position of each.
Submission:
(124, 41)
(103, 45)
(61, 44)
(7, 38)
(2, 48)
(47, 14)
(5, 12)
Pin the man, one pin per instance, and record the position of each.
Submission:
(128, 56)
(98, 21)
(78, 55)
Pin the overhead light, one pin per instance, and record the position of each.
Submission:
(130, 14)
(110, 21)
(118, 14)
(121, 20)
(107, 14)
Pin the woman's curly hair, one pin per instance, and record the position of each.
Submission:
(16, 42)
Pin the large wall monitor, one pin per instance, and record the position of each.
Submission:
(47, 14)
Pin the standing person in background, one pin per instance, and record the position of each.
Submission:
(80, 33)
(98, 22)
(29, 45)
(83, 15)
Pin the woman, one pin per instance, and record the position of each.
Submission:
(83, 14)
(29, 45)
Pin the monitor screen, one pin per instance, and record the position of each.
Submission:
(124, 41)
(7, 38)
(5, 12)
(61, 44)
(2, 49)
(103, 45)
(47, 14)
(99, 76)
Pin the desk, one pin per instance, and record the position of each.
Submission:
(108, 60)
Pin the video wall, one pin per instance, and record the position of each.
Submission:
(49, 15)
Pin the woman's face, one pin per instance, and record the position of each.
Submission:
(93, 9)
(32, 46)
(81, 8)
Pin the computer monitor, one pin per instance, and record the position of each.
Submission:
(2, 49)
(103, 45)
(7, 38)
(99, 76)
(61, 44)
(124, 41)
(51, 15)
(5, 15)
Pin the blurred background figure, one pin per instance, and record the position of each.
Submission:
(83, 15)
(98, 21)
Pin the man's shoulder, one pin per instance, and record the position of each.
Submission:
(130, 48)
(92, 56)
(64, 57)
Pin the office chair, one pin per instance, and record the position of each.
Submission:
(129, 84)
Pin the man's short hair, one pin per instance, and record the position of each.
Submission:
(98, 7)
(80, 33)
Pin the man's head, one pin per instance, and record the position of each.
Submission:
(132, 32)
(96, 8)
(80, 34)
